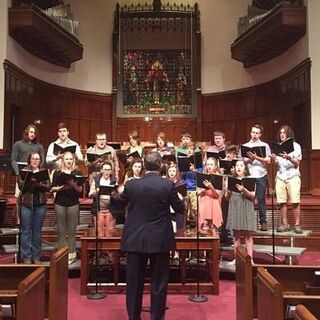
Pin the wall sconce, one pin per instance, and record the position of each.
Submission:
(37, 121)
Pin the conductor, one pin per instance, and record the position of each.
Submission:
(148, 234)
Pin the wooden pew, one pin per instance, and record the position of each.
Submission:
(273, 300)
(10, 277)
(270, 300)
(31, 296)
(24, 286)
(58, 285)
(56, 293)
(244, 285)
(292, 278)
(302, 313)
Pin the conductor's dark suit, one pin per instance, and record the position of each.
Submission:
(148, 234)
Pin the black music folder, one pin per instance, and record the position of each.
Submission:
(134, 154)
(107, 190)
(217, 155)
(58, 149)
(247, 182)
(215, 179)
(185, 161)
(182, 189)
(286, 146)
(260, 151)
(91, 157)
(169, 157)
(114, 145)
(40, 176)
(63, 179)
(227, 165)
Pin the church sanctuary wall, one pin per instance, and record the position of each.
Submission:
(3, 52)
(29, 100)
(93, 72)
(233, 97)
(285, 100)
(219, 72)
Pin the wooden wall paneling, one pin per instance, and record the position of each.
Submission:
(314, 171)
(285, 100)
(148, 129)
(53, 104)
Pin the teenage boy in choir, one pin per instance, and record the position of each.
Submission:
(187, 148)
(258, 169)
(288, 182)
(107, 152)
(186, 139)
(217, 145)
(28, 144)
(22, 149)
(63, 141)
(219, 140)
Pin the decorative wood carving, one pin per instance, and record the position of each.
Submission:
(272, 36)
(44, 38)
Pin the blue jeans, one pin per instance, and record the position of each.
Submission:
(261, 187)
(31, 224)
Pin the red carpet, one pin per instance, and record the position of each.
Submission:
(113, 307)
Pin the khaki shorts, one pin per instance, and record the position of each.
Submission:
(289, 188)
(191, 200)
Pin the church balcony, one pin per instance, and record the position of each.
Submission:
(271, 36)
(43, 37)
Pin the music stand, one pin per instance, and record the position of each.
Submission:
(96, 295)
(272, 226)
(197, 297)
(5, 165)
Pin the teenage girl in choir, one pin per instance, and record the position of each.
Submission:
(164, 150)
(33, 203)
(210, 213)
(162, 145)
(173, 175)
(106, 222)
(190, 178)
(66, 204)
(135, 171)
(241, 218)
(135, 145)
(225, 236)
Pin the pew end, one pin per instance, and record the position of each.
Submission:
(302, 313)
(58, 285)
(269, 292)
(244, 285)
(31, 296)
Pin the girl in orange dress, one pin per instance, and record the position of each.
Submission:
(209, 212)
